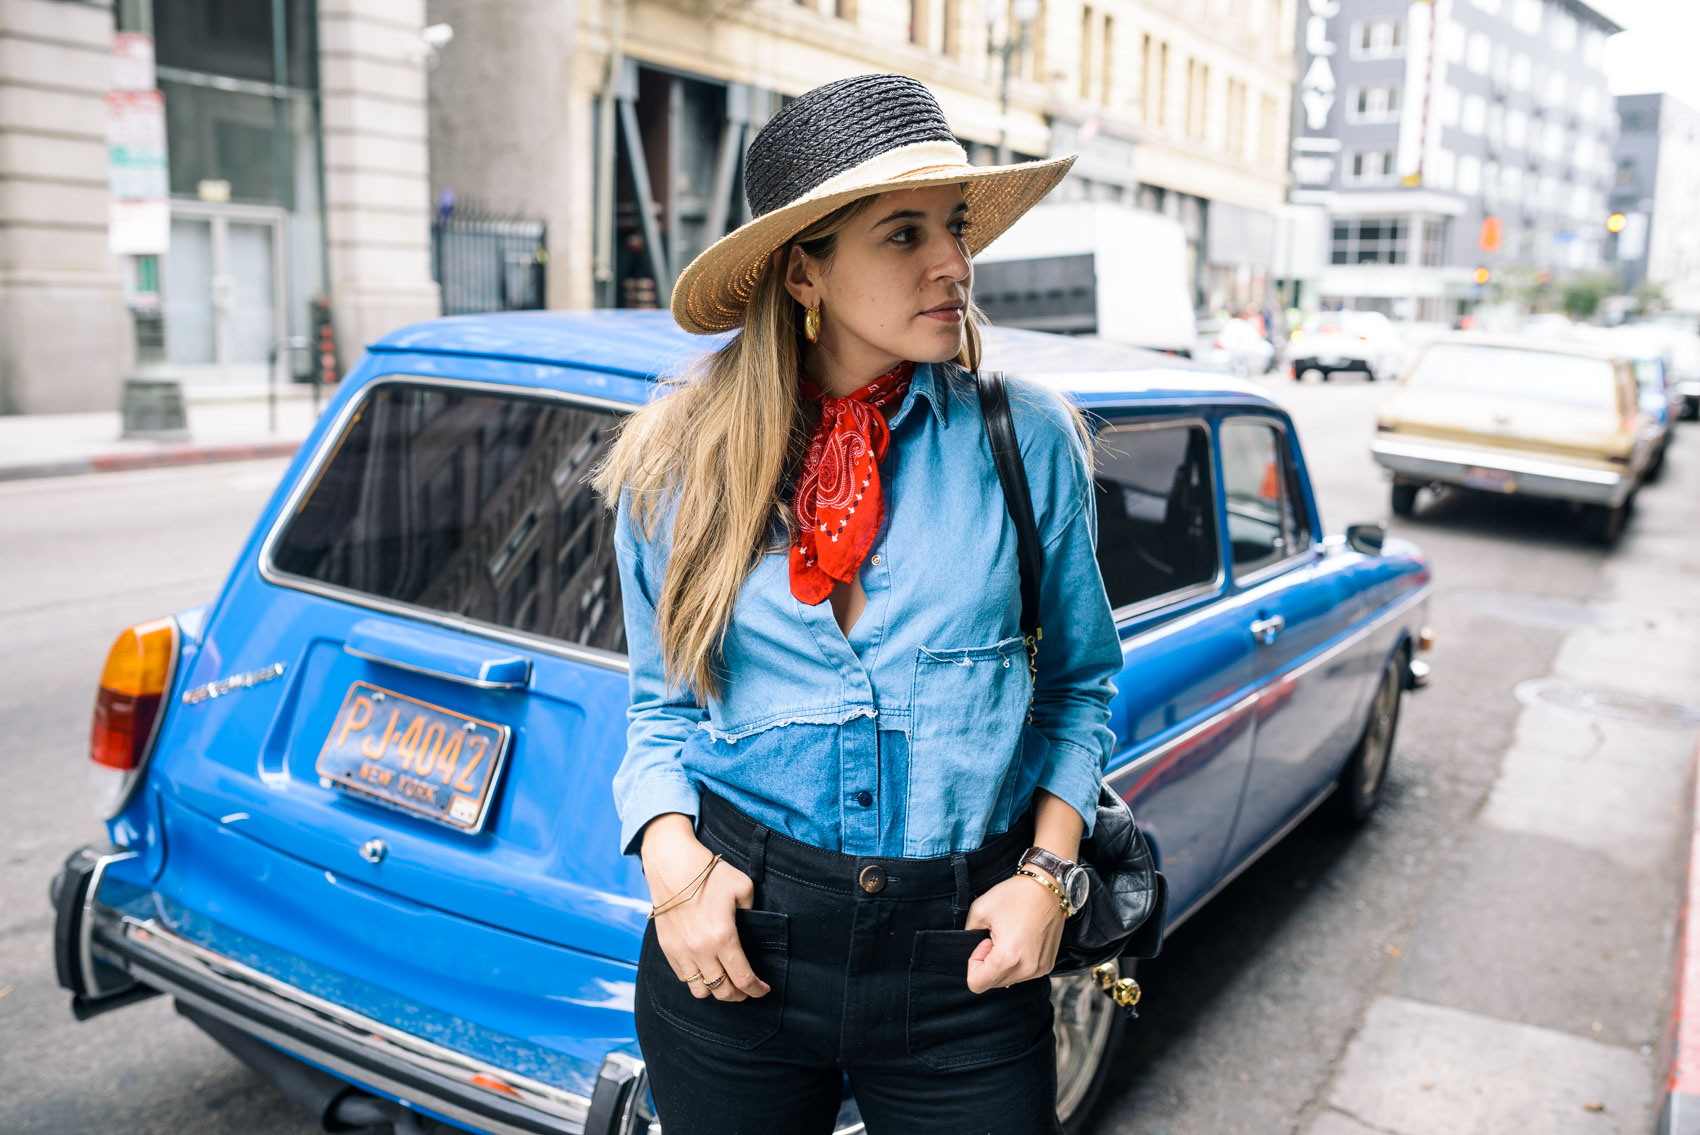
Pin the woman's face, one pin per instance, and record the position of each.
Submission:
(895, 287)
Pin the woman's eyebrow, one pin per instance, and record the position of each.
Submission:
(915, 214)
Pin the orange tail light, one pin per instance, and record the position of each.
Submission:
(134, 680)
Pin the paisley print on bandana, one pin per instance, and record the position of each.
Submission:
(838, 504)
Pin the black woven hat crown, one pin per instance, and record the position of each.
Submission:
(835, 127)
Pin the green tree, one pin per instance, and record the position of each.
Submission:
(1581, 296)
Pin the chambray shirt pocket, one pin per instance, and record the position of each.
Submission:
(966, 712)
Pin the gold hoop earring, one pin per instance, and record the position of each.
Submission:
(811, 323)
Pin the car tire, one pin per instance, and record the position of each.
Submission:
(1089, 1028)
(1404, 499)
(1657, 468)
(1365, 775)
(1603, 524)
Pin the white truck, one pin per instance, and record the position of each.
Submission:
(1091, 268)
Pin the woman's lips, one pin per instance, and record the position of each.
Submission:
(945, 314)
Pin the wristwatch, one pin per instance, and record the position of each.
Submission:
(1070, 874)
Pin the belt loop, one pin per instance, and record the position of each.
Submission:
(758, 853)
(964, 897)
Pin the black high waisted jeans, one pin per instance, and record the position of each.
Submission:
(868, 964)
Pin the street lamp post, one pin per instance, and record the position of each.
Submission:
(1024, 12)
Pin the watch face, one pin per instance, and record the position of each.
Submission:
(1076, 886)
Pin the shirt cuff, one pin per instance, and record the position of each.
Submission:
(1073, 773)
(654, 798)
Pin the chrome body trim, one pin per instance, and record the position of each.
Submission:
(1449, 464)
(1280, 834)
(1140, 764)
(315, 468)
(85, 926)
(537, 1106)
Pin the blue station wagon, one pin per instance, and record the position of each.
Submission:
(359, 808)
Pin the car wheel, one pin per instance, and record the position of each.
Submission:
(1404, 499)
(1365, 774)
(1657, 468)
(1603, 524)
(1088, 1028)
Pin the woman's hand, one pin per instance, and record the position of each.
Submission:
(699, 935)
(1026, 922)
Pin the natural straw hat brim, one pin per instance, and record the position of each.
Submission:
(714, 289)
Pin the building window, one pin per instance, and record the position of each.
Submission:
(1379, 103)
(1480, 56)
(1086, 22)
(1474, 117)
(1564, 31)
(1370, 240)
(1236, 118)
(1268, 143)
(1434, 242)
(1370, 167)
(1197, 99)
(1163, 85)
(1106, 75)
(1379, 39)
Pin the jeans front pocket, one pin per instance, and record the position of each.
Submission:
(966, 714)
(950, 1027)
(765, 936)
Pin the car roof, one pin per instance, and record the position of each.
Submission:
(1544, 343)
(647, 344)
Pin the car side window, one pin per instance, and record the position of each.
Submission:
(1156, 511)
(1266, 521)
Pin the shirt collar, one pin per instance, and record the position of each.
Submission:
(926, 383)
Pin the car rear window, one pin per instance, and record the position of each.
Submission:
(469, 504)
(1511, 372)
(1156, 512)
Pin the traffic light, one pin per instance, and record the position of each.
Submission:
(1489, 240)
(1615, 222)
(1482, 275)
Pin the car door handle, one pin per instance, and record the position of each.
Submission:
(1265, 630)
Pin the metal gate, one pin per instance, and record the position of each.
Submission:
(488, 263)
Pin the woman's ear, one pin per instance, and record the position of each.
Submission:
(802, 276)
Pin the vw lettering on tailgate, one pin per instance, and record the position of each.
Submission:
(412, 755)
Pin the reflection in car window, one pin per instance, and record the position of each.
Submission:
(468, 504)
(1156, 512)
(1512, 372)
(1264, 513)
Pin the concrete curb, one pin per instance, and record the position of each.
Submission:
(147, 459)
(1679, 1093)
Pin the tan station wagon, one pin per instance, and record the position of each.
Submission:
(1519, 414)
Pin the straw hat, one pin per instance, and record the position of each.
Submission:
(847, 139)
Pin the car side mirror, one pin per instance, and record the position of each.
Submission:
(1366, 538)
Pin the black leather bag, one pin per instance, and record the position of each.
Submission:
(1127, 903)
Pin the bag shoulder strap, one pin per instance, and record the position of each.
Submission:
(1012, 474)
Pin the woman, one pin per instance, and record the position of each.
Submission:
(856, 810)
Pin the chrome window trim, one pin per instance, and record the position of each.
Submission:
(1309, 551)
(315, 469)
(1193, 590)
(141, 938)
(1139, 764)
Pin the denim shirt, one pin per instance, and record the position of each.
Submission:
(910, 735)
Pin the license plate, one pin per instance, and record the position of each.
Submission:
(1493, 480)
(415, 756)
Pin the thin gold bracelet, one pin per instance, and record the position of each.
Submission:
(693, 887)
(1052, 887)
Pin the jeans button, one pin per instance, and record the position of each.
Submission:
(864, 798)
(872, 878)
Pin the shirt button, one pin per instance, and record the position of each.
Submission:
(864, 798)
(872, 879)
(876, 559)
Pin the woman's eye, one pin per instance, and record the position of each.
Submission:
(962, 226)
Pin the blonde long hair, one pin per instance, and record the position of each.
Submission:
(721, 439)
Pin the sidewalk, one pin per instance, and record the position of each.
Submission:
(220, 429)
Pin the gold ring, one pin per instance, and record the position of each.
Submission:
(693, 977)
(715, 982)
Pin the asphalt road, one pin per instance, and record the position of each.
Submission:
(1488, 955)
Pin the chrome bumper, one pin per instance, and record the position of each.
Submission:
(107, 958)
(1450, 465)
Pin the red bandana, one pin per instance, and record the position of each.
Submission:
(838, 502)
